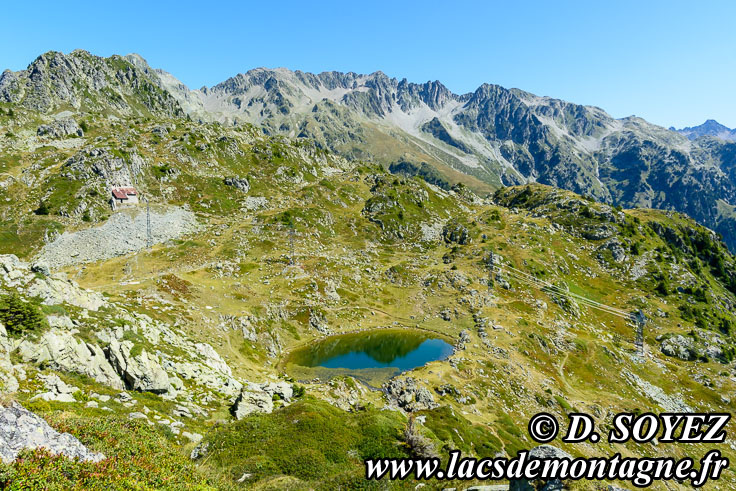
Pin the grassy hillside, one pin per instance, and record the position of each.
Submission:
(309, 240)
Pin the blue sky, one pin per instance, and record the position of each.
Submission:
(671, 62)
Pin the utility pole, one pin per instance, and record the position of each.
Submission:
(291, 244)
(149, 235)
(491, 268)
(639, 319)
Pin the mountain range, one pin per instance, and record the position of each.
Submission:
(178, 268)
(710, 128)
(485, 139)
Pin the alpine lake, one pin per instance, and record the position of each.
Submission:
(373, 357)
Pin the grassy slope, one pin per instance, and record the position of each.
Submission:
(527, 370)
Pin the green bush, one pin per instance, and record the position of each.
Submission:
(20, 317)
(43, 209)
(299, 390)
(138, 457)
(308, 440)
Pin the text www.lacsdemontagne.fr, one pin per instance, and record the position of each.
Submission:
(639, 471)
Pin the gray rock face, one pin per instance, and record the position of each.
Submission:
(61, 351)
(86, 82)
(211, 371)
(406, 394)
(57, 289)
(60, 129)
(100, 164)
(140, 372)
(52, 290)
(21, 429)
(259, 398)
(238, 183)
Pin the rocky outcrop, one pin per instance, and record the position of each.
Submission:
(52, 290)
(408, 395)
(240, 183)
(13, 271)
(60, 128)
(21, 429)
(102, 164)
(454, 232)
(616, 248)
(59, 350)
(58, 289)
(679, 346)
(559, 294)
(86, 82)
(705, 345)
(140, 371)
(259, 398)
(56, 389)
(207, 368)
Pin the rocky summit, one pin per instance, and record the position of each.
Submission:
(177, 269)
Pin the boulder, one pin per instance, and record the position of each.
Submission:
(21, 429)
(41, 268)
(252, 401)
(139, 372)
(60, 351)
(192, 437)
(61, 321)
(259, 398)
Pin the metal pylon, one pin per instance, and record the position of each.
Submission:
(639, 320)
(491, 268)
(149, 235)
(291, 244)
